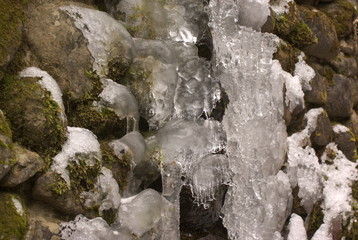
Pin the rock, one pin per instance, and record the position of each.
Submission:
(27, 164)
(52, 190)
(318, 94)
(323, 133)
(342, 14)
(70, 53)
(43, 223)
(11, 27)
(347, 46)
(339, 97)
(6, 145)
(352, 123)
(327, 45)
(287, 56)
(308, 2)
(346, 141)
(13, 214)
(345, 65)
(36, 119)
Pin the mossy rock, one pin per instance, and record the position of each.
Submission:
(315, 219)
(120, 167)
(11, 24)
(34, 116)
(6, 147)
(13, 222)
(287, 55)
(290, 27)
(342, 14)
(350, 226)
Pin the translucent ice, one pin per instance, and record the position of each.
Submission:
(253, 13)
(79, 141)
(297, 229)
(106, 36)
(121, 100)
(48, 83)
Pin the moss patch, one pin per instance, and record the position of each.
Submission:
(11, 18)
(4, 126)
(316, 219)
(34, 116)
(12, 224)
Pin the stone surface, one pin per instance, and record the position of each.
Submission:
(6, 153)
(27, 164)
(323, 133)
(345, 65)
(287, 56)
(346, 142)
(318, 94)
(339, 97)
(327, 46)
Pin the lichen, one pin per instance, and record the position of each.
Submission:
(12, 223)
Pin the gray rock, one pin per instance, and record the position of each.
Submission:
(323, 134)
(346, 142)
(345, 65)
(318, 94)
(327, 46)
(27, 164)
(339, 98)
(347, 46)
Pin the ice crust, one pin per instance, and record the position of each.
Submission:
(103, 34)
(258, 201)
(48, 83)
(120, 99)
(79, 141)
(296, 228)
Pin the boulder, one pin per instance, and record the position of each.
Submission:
(287, 56)
(345, 65)
(327, 44)
(6, 145)
(26, 165)
(323, 133)
(318, 94)
(339, 97)
(13, 222)
(346, 141)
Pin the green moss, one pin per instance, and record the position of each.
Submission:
(316, 220)
(12, 224)
(60, 186)
(11, 18)
(119, 166)
(4, 126)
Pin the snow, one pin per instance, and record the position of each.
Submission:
(79, 141)
(338, 128)
(48, 83)
(18, 206)
(103, 34)
(304, 72)
(296, 228)
(120, 99)
(280, 6)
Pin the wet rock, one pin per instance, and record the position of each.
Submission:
(287, 56)
(327, 45)
(43, 223)
(27, 164)
(11, 26)
(52, 190)
(342, 14)
(70, 54)
(318, 94)
(346, 141)
(36, 119)
(345, 65)
(339, 98)
(6, 145)
(323, 133)
(13, 221)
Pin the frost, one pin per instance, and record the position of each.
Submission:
(18, 206)
(79, 141)
(304, 72)
(105, 193)
(48, 83)
(280, 6)
(103, 34)
(120, 99)
(296, 228)
(338, 128)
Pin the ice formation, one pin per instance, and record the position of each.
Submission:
(338, 128)
(80, 141)
(103, 34)
(119, 98)
(48, 83)
(280, 6)
(296, 228)
(257, 203)
(18, 206)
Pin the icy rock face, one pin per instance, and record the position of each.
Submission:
(257, 203)
(155, 19)
(79, 142)
(107, 38)
(120, 99)
(48, 83)
(337, 179)
(303, 164)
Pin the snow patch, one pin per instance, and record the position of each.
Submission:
(296, 228)
(338, 128)
(18, 206)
